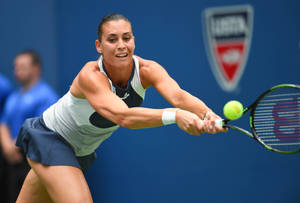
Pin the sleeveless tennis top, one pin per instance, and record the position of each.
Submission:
(78, 122)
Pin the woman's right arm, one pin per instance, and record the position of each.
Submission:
(96, 89)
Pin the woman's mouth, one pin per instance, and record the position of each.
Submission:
(122, 55)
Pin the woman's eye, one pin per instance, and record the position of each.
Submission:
(126, 38)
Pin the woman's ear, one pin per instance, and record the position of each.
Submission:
(98, 46)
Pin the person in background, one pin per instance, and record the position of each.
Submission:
(30, 100)
(5, 90)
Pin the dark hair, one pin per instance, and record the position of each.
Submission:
(35, 58)
(107, 18)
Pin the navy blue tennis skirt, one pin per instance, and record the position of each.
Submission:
(45, 146)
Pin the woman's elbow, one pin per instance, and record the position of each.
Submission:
(126, 123)
(178, 100)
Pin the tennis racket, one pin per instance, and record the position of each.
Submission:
(274, 119)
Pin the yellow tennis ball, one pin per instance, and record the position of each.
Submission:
(233, 110)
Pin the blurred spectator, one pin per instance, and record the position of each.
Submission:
(30, 100)
(5, 90)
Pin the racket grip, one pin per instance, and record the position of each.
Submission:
(219, 123)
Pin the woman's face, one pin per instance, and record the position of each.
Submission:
(117, 43)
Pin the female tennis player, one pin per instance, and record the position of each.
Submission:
(105, 94)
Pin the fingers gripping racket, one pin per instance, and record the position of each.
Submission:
(274, 119)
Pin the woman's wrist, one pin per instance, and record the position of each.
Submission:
(169, 117)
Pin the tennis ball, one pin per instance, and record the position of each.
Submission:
(233, 110)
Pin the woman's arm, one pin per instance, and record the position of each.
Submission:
(155, 75)
(95, 87)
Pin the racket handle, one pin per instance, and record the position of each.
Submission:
(219, 123)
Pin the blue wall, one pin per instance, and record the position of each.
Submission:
(165, 164)
(29, 24)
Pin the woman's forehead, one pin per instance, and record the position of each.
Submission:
(116, 27)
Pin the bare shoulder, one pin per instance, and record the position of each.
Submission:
(91, 72)
(88, 79)
(89, 69)
(147, 65)
(149, 71)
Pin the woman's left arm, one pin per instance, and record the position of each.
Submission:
(153, 74)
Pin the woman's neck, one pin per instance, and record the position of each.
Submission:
(119, 75)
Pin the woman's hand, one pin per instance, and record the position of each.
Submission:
(189, 122)
(210, 123)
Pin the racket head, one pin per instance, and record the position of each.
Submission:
(275, 119)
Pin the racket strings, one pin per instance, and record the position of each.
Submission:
(277, 119)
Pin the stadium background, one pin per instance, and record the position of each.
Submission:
(165, 164)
